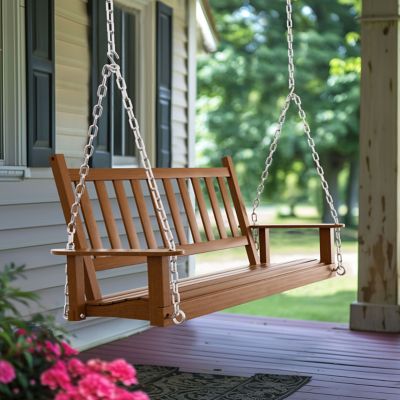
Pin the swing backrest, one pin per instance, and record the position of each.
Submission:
(118, 211)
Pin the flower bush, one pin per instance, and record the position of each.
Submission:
(36, 361)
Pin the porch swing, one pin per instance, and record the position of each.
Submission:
(167, 299)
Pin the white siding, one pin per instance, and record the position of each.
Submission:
(31, 222)
(179, 85)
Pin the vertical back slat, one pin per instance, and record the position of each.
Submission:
(90, 221)
(176, 215)
(143, 214)
(189, 210)
(108, 216)
(202, 208)
(162, 233)
(228, 206)
(215, 208)
(126, 214)
(241, 212)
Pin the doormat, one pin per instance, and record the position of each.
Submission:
(169, 383)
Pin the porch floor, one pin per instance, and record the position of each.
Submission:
(343, 364)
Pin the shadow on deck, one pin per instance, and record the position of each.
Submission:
(343, 364)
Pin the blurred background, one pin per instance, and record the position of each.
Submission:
(241, 90)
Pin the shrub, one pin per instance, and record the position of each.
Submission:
(36, 361)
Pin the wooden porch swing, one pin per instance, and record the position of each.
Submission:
(167, 299)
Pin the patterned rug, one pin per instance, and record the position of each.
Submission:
(168, 383)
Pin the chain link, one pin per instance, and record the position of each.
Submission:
(112, 68)
(292, 96)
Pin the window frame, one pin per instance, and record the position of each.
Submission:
(143, 99)
(13, 89)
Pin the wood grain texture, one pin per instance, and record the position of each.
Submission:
(118, 252)
(187, 204)
(175, 211)
(65, 192)
(216, 208)
(326, 245)
(343, 364)
(90, 221)
(143, 214)
(109, 174)
(241, 211)
(76, 289)
(126, 215)
(203, 209)
(228, 207)
(109, 219)
(265, 256)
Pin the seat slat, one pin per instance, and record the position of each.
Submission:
(143, 214)
(228, 207)
(192, 288)
(189, 210)
(176, 215)
(207, 283)
(202, 208)
(215, 207)
(108, 216)
(126, 214)
(90, 221)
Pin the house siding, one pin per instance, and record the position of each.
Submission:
(31, 221)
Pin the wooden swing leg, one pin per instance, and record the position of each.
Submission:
(76, 288)
(159, 288)
(326, 245)
(265, 257)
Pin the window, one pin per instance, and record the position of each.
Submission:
(115, 145)
(125, 35)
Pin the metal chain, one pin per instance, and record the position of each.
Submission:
(292, 96)
(113, 68)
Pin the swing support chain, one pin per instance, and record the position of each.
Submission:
(112, 68)
(293, 96)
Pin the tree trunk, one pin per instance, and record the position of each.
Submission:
(352, 193)
(333, 167)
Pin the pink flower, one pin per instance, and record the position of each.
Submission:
(140, 396)
(56, 377)
(123, 372)
(76, 367)
(96, 365)
(53, 348)
(121, 394)
(68, 350)
(7, 372)
(94, 384)
(21, 332)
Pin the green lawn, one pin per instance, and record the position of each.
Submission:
(323, 301)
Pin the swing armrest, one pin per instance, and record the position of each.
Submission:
(118, 252)
(326, 239)
(297, 226)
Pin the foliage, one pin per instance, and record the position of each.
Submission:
(36, 361)
(243, 85)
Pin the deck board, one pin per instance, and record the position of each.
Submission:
(343, 364)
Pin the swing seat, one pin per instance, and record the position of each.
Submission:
(118, 197)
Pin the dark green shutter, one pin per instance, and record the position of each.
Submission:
(164, 85)
(102, 154)
(40, 81)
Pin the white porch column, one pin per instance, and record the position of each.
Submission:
(377, 308)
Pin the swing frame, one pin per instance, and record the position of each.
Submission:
(199, 295)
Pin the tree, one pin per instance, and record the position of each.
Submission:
(243, 86)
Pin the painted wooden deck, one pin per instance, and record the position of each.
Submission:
(343, 364)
